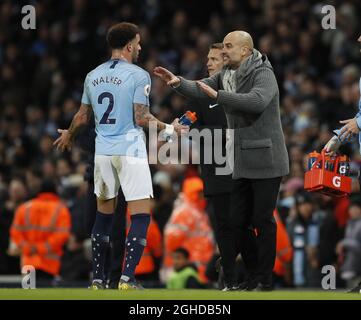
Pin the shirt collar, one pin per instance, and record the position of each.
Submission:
(47, 196)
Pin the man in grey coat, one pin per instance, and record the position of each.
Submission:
(247, 90)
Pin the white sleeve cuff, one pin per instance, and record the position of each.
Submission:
(169, 129)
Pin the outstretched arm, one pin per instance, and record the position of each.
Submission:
(350, 129)
(81, 118)
(256, 101)
(186, 87)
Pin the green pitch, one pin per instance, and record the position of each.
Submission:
(162, 294)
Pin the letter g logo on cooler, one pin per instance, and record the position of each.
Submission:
(336, 181)
(342, 169)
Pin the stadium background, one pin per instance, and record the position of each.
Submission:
(42, 72)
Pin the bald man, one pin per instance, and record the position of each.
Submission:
(247, 89)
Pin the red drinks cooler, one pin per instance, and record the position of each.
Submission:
(328, 175)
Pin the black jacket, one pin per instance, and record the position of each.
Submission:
(211, 118)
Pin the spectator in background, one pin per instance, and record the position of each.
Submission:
(39, 231)
(288, 191)
(303, 228)
(330, 234)
(34, 179)
(189, 227)
(75, 267)
(349, 248)
(185, 274)
(282, 274)
(17, 194)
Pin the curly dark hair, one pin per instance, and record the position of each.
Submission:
(121, 34)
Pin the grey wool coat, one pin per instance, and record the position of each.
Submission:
(253, 112)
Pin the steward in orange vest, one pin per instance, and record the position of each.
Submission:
(189, 227)
(284, 251)
(40, 229)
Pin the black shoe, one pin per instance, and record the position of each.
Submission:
(248, 285)
(229, 288)
(262, 287)
(356, 289)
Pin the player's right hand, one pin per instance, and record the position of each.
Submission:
(332, 145)
(166, 76)
(180, 128)
(64, 141)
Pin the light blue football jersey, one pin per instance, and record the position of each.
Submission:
(111, 89)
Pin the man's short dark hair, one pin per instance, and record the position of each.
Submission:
(121, 34)
(217, 45)
(182, 251)
(303, 197)
(48, 185)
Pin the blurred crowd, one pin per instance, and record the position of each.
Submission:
(318, 71)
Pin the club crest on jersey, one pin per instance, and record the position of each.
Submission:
(147, 90)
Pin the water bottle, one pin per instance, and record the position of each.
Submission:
(186, 119)
(312, 158)
(329, 164)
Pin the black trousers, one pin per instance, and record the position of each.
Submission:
(252, 204)
(220, 217)
(44, 279)
(115, 259)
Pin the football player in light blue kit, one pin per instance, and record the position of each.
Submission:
(118, 92)
(350, 130)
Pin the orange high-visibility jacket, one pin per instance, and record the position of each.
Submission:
(152, 249)
(189, 228)
(40, 229)
(284, 250)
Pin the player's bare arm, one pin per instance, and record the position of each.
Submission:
(81, 118)
(143, 117)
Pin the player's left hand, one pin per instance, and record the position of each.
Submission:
(64, 141)
(349, 129)
(180, 128)
(207, 89)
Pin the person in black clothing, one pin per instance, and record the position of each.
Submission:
(330, 234)
(217, 188)
(86, 141)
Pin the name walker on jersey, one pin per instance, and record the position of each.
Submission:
(106, 79)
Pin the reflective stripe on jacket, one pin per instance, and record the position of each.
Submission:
(40, 229)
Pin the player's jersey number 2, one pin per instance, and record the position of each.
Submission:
(105, 119)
